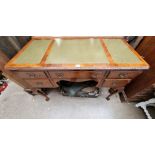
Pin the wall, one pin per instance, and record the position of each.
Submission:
(10, 45)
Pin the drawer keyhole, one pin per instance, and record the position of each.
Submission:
(113, 84)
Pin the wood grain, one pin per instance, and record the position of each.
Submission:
(46, 53)
(106, 51)
(106, 74)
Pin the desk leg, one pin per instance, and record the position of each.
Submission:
(112, 91)
(37, 92)
(40, 92)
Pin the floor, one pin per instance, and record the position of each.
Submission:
(15, 103)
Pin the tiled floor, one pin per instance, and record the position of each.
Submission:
(15, 103)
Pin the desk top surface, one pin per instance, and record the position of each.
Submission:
(76, 53)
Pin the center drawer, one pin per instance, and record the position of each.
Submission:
(77, 74)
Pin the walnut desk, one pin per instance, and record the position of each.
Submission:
(44, 61)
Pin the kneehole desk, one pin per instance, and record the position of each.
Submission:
(44, 61)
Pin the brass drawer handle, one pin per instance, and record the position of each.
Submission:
(31, 75)
(94, 76)
(60, 75)
(122, 75)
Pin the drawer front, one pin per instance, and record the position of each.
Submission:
(30, 74)
(77, 74)
(116, 83)
(39, 83)
(123, 74)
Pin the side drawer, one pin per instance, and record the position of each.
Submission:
(30, 74)
(77, 74)
(39, 83)
(116, 83)
(123, 74)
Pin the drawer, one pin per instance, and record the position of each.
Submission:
(30, 74)
(39, 83)
(123, 74)
(116, 83)
(77, 74)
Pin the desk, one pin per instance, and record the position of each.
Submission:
(44, 61)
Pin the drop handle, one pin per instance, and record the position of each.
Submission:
(59, 75)
(94, 76)
(122, 75)
(31, 75)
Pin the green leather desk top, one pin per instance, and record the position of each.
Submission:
(34, 53)
(120, 52)
(85, 53)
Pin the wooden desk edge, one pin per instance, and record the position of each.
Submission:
(10, 66)
(62, 67)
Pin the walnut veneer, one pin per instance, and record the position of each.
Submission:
(44, 61)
